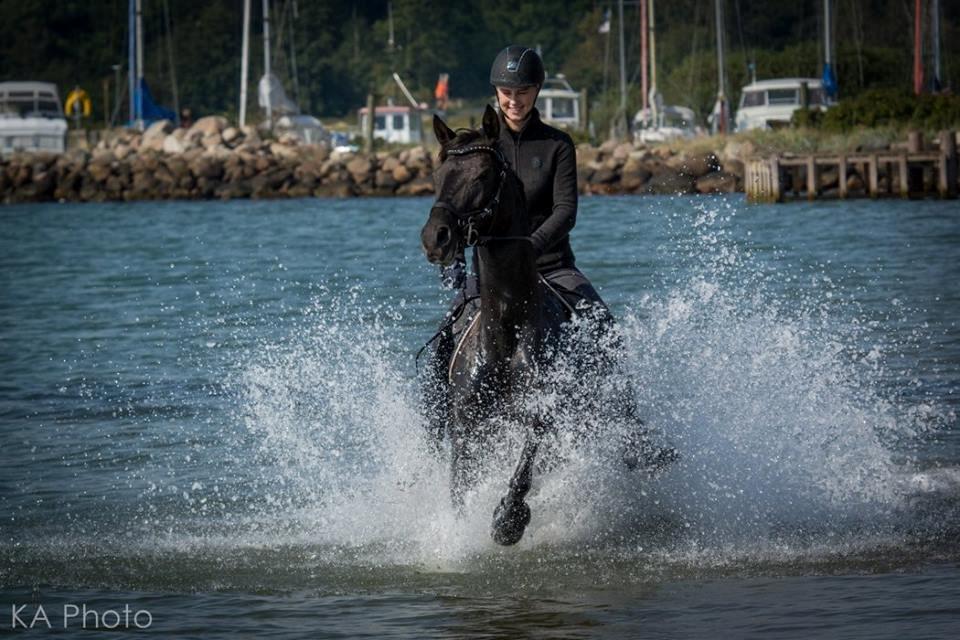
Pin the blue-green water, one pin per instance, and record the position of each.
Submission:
(208, 412)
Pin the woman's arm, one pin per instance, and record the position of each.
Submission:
(564, 215)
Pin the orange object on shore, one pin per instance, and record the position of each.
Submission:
(442, 91)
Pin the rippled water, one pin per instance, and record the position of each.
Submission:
(208, 412)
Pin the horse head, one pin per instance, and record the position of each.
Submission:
(469, 184)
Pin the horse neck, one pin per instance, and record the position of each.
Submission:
(509, 296)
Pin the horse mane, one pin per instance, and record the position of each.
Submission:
(463, 137)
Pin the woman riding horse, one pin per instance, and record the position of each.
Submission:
(544, 160)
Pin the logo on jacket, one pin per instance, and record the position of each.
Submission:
(537, 163)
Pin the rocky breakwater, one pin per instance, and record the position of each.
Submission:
(211, 159)
(625, 168)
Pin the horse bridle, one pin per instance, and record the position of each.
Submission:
(468, 219)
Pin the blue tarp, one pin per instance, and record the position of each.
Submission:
(829, 81)
(150, 110)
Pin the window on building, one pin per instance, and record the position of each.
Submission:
(398, 122)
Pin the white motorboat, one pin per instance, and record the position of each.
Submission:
(31, 118)
(769, 104)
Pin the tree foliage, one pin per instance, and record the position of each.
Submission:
(330, 54)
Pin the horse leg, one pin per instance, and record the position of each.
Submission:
(463, 464)
(512, 515)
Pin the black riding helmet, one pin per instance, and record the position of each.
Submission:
(515, 67)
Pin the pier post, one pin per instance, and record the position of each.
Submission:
(842, 176)
(948, 165)
(872, 180)
(812, 184)
(775, 195)
(903, 177)
(914, 141)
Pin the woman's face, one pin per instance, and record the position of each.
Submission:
(516, 104)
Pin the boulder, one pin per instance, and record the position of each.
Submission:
(384, 180)
(622, 151)
(284, 151)
(211, 140)
(669, 183)
(416, 187)
(231, 136)
(401, 174)
(603, 176)
(206, 167)
(389, 163)
(633, 180)
(360, 168)
(694, 165)
(208, 125)
(98, 171)
(733, 166)
(172, 145)
(334, 190)
(717, 182)
(158, 130)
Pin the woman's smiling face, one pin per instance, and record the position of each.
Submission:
(516, 104)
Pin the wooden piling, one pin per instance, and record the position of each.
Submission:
(842, 175)
(812, 184)
(775, 193)
(947, 183)
(903, 177)
(872, 177)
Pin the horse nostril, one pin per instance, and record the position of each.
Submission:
(443, 236)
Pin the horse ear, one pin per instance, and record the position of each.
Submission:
(491, 123)
(440, 129)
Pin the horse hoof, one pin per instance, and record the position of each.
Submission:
(510, 520)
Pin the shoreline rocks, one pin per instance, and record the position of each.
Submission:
(213, 160)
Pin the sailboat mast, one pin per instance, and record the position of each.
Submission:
(244, 62)
(132, 58)
(720, 110)
(827, 58)
(653, 68)
(139, 35)
(644, 46)
(266, 60)
(935, 42)
(917, 49)
(622, 116)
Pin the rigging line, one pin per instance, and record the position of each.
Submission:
(278, 52)
(743, 46)
(694, 59)
(293, 54)
(171, 61)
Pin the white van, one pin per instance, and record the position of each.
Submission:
(770, 103)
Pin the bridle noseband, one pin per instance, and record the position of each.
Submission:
(468, 219)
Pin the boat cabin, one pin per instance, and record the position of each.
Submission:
(770, 104)
(394, 124)
(559, 104)
(669, 123)
(31, 118)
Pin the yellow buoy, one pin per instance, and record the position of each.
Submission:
(78, 101)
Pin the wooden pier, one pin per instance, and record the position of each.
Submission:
(911, 173)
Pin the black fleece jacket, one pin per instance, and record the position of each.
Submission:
(545, 160)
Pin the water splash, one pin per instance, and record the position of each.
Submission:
(787, 435)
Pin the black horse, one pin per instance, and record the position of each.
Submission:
(501, 351)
